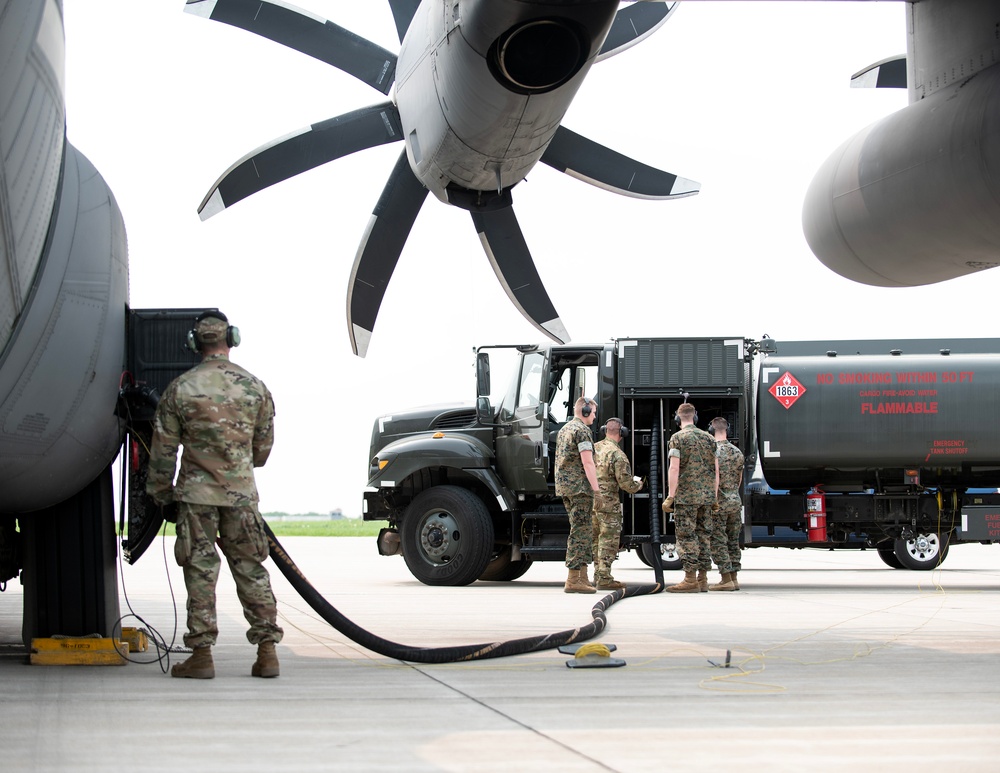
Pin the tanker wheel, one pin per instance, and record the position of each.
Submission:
(888, 555)
(447, 536)
(670, 559)
(502, 568)
(923, 552)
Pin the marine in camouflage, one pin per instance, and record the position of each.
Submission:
(574, 488)
(223, 416)
(695, 494)
(614, 474)
(726, 523)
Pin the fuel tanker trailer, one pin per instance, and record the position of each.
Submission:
(884, 444)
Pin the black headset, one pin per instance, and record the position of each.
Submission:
(677, 418)
(232, 333)
(587, 409)
(622, 429)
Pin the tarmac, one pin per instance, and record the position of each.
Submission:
(836, 662)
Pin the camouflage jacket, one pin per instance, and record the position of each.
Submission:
(573, 438)
(730, 473)
(224, 417)
(613, 474)
(696, 481)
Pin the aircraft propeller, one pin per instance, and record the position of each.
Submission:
(404, 194)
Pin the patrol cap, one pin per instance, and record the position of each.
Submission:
(211, 329)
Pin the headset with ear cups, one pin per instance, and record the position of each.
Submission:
(677, 418)
(587, 409)
(622, 429)
(232, 332)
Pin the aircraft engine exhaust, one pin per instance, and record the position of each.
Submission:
(538, 56)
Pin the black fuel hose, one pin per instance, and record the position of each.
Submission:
(454, 654)
(654, 504)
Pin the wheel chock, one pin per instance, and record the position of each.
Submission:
(78, 651)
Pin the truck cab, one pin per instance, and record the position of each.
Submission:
(468, 491)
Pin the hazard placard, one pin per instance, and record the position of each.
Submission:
(787, 390)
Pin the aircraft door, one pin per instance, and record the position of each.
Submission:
(523, 438)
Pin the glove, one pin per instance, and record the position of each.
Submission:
(715, 507)
(668, 505)
(169, 512)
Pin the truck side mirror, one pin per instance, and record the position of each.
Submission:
(483, 376)
(484, 411)
(542, 411)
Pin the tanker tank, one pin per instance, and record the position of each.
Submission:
(854, 422)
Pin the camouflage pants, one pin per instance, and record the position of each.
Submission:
(580, 545)
(244, 543)
(726, 525)
(607, 538)
(693, 536)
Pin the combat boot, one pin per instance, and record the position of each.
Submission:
(577, 582)
(608, 583)
(198, 666)
(732, 579)
(267, 661)
(725, 584)
(703, 580)
(688, 585)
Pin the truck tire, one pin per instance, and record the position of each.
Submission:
(670, 559)
(888, 555)
(447, 536)
(924, 552)
(502, 568)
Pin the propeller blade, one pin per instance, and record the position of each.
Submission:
(305, 32)
(633, 24)
(402, 14)
(301, 151)
(508, 253)
(598, 165)
(379, 251)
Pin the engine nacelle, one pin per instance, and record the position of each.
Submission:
(461, 76)
(914, 198)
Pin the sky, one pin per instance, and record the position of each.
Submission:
(748, 98)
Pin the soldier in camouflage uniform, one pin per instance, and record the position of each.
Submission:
(614, 473)
(224, 418)
(726, 522)
(576, 483)
(693, 480)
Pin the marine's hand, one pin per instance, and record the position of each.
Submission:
(668, 505)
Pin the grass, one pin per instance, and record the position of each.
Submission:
(347, 527)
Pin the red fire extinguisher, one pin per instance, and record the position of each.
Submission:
(816, 515)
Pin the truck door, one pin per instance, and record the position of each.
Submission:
(523, 438)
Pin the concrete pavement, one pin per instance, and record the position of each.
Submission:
(836, 661)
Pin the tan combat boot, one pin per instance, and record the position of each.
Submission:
(577, 582)
(703, 581)
(688, 585)
(726, 584)
(267, 661)
(198, 666)
(608, 583)
(732, 579)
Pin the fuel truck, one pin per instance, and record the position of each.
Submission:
(887, 445)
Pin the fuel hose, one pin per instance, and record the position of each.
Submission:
(453, 654)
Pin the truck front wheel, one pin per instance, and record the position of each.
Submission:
(922, 551)
(447, 536)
